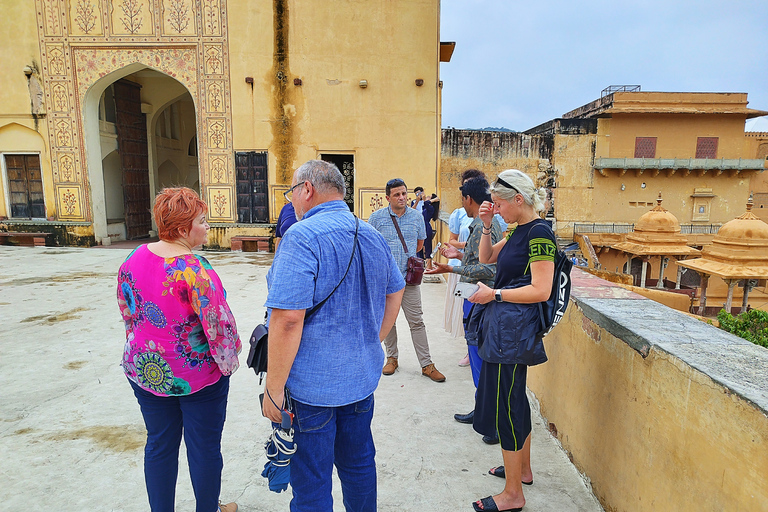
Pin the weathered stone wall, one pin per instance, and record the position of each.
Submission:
(490, 152)
(659, 410)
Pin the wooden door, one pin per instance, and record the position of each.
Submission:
(26, 186)
(134, 160)
(252, 196)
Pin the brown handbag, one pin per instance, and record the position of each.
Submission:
(414, 270)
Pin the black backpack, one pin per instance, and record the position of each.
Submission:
(553, 309)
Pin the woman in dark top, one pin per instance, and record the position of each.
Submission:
(524, 272)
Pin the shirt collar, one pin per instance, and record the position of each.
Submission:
(328, 206)
(392, 213)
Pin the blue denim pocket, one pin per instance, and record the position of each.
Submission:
(364, 405)
(309, 418)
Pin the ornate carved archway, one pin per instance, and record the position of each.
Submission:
(86, 41)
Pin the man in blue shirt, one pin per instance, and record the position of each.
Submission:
(286, 219)
(329, 364)
(411, 225)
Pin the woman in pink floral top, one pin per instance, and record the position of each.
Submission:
(181, 347)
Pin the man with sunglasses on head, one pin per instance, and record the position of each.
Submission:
(411, 225)
(324, 365)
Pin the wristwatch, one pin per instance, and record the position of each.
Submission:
(497, 295)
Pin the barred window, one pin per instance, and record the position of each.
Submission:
(645, 147)
(706, 147)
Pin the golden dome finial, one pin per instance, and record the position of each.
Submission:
(750, 202)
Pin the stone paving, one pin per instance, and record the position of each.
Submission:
(72, 436)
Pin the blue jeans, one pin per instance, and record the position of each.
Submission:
(200, 417)
(474, 359)
(328, 436)
(475, 363)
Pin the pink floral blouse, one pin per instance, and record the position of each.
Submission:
(180, 333)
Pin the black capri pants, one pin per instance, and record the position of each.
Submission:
(501, 404)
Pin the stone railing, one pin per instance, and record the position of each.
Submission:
(659, 410)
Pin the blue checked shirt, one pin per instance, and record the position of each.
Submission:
(411, 225)
(339, 357)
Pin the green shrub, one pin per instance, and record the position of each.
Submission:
(752, 325)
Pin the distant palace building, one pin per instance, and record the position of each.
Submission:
(607, 161)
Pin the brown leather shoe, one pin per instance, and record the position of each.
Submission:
(229, 507)
(390, 367)
(431, 372)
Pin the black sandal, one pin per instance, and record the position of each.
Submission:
(489, 505)
(499, 472)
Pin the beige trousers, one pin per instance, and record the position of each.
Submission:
(411, 306)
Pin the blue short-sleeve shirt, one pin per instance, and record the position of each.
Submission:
(411, 225)
(339, 358)
(286, 219)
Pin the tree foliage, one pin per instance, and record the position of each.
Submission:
(752, 325)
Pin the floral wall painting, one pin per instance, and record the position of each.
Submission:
(82, 41)
(85, 18)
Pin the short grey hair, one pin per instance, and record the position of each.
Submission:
(324, 176)
(523, 185)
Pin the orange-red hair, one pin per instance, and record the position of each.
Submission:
(175, 209)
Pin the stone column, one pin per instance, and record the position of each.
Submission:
(643, 274)
(679, 277)
(703, 299)
(748, 285)
(731, 284)
(662, 267)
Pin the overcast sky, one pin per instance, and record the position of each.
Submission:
(521, 63)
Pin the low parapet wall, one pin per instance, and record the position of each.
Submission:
(659, 410)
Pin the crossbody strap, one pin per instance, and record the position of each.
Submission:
(354, 248)
(399, 233)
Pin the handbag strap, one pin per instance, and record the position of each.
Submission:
(399, 233)
(354, 247)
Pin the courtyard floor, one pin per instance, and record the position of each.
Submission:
(72, 436)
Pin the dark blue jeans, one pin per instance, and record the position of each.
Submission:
(474, 359)
(200, 417)
(328, 436)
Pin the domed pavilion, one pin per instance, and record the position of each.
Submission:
(738, 255)
(656, 234)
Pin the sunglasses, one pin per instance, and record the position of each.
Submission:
(507, 185)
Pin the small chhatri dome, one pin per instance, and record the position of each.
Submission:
(742, 241)
(658, 220)
(656, 232)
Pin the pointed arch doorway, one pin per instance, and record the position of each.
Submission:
(146, 121)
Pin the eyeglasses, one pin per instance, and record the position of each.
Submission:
(507, 185)
(287, 193)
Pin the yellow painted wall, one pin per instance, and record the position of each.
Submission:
(651, 433)
(20, 48)
(390, 126)
(19, 130)
(585, 195)
(676, 134)
(575, 199)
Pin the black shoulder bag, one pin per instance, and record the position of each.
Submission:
(257, 355)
